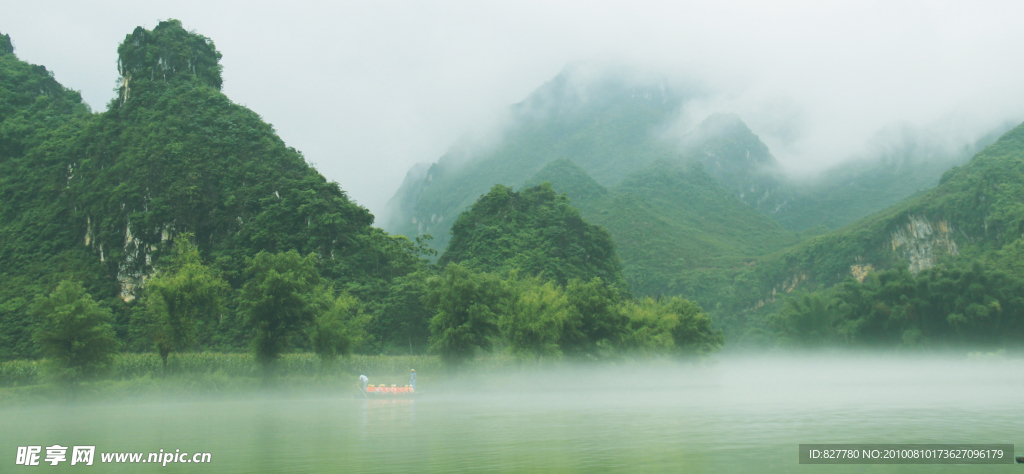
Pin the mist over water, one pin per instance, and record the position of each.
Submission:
(738, 413)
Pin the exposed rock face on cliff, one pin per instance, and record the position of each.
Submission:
(920, 243)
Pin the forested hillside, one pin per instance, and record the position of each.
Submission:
(535, 231)
(609, 126)
(36, 244)
(552, 286)
(101, 197)
(976, 211)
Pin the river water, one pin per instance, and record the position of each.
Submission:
(730, 414)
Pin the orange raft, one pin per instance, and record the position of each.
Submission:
(384, 391)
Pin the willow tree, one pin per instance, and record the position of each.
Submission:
(182, 293)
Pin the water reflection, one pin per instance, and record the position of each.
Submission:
(374, 412)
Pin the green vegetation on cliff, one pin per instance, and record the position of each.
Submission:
(37, 248)
(101, 198)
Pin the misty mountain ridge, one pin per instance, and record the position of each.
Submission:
(738, 159)
(612, 126)
(709, 213)
(608, 125)
(901, 161)
(615, 122)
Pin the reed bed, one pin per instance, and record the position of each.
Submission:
(128, 366)
(15, 373)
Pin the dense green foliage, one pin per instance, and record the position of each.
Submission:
(466, 307)
(537, 318)
(36, 250)
(404, 320)
(534, 230)
(164, 53)
(562, 292)
(595, 329)
(76, 336)
(957, 306)
(276, 300)
(337, 326)
(674, 325)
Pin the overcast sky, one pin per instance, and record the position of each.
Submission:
(366, 89)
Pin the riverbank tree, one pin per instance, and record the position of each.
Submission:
(276, 301)
(338, 325)
(466, 306)
(75, 334)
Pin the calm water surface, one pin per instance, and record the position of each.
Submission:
(736, 414)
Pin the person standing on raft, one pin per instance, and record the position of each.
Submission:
(412, 379)
(362, 383)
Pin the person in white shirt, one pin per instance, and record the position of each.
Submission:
(412, 379)
(362, 382)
